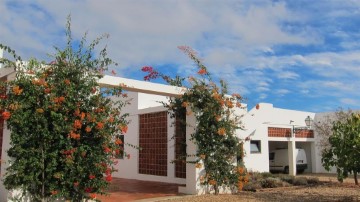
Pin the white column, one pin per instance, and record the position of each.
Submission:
(292, 154)
(192, 173)
(170, 147)
(4, 162)
(1, 55)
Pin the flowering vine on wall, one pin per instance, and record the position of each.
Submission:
(216, 122)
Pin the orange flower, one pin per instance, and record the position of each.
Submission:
(47, 90)
(91, 176)
(221, 131)
(202, 71)
(74, 135)
(229, 104)
(92, 195)
(118, 141)
(111, 119)
(99, 125)
(77, 124)
(88, 129)
(39, 110)
(53, 192)
(82, 115)
(238, 104)
(123, 128)
(61, 99)
(198, 165)
(6, 115)
(67, 81)
(17, 90)
(202, 156)
(185, 104)
(218, 118)
(77, 112)
(212, 182)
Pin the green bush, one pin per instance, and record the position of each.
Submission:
(300, 181)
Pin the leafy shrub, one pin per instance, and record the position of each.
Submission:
(252, 186)
(313, 180)
(270, 182)
(300, 181)
(266, 175)
(287, 178)
(254, 176)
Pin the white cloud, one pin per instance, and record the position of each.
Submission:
(238, 40)
(350, 101)
(282, 92)
(287, 75)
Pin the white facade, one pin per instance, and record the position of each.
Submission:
(145, 99)
(256, 128)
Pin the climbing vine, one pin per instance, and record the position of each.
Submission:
(216, 121)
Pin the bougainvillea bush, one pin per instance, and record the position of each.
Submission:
(64, 126)
(216, 121)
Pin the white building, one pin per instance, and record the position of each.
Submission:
(151, 128)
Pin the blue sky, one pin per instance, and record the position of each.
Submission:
(301, 55)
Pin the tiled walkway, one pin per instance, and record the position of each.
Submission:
(122, 190)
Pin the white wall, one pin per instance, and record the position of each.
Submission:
(256, 123)
(128, 168)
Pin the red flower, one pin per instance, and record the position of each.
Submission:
(152, 74)
(67, 81)
(108, 178)
(107, 149)
(202, 71)
(91, 176)
(108, 171)
(6, 115)
(76, 184)
(88, 189)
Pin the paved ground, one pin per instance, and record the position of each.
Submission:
(124, 190)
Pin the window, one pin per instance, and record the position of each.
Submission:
(120, 150)
(255, 146)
